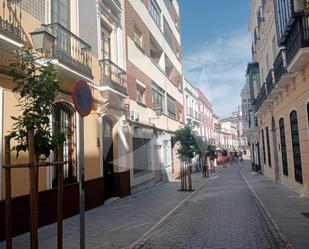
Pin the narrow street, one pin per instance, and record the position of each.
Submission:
(222, 214)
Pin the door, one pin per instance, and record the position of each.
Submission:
(108, 157)
(274, 135)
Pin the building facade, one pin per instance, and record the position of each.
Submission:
(280, 36)
(206, 117)
(155, 89)
(192, 111)
(129, 53)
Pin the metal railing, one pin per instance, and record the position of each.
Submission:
(270, 83)
(298, 36)
(10, 19)
(260, 98)
(279, 66)
(70, 49)
(113, 76)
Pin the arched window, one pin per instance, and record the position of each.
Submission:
(283, 147)
(268, 147)
(64, 121)
(296, 147)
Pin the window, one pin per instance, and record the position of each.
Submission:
(105, 43)
(296, 147)
(168, 4)
(283, 147)
(283, 12)
(64, 121)
(61, 12)
(138, 37)
(171, 107)
(140, 94)
(158, 97)
(141, 155)
(263, 144)
(168, 34)
(155, 12)
(268, 147)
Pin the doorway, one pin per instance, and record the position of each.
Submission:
(274, 134)
(108, 158)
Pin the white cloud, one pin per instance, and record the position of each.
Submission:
(218, 67)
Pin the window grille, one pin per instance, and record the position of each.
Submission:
(263, 144)
(268, 147)
(283, 147)
(296, 147)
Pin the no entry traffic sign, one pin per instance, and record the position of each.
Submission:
(82, 98)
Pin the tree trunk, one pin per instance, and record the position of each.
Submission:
(33, 193)
(189, 175)
(8, 196)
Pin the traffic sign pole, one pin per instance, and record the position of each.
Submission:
(82, 99)
(81, 183)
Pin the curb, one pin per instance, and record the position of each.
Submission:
(147, 235)
(261, 204)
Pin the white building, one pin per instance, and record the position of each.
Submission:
(192, 115)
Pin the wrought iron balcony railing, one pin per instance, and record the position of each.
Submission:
(297, 37)
(70, 49)
(270, 83)
(260, 98)
(113, 76)
(10, 19)
(279, 66)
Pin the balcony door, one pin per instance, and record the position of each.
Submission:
(61, 12)
(106, 51)
(61, 18)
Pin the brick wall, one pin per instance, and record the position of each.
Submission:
(131, 19)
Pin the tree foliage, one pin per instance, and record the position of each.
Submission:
(36, 86)
(187, 142)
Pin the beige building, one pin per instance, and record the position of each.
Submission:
(129, 53)
(280, 47)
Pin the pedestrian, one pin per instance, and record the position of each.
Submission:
(206, 165)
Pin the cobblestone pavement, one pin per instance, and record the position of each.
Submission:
(222, 214)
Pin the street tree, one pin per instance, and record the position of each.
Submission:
(187, 149)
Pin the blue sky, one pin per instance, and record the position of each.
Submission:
(216, 48)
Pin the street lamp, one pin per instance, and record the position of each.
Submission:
(42, 39)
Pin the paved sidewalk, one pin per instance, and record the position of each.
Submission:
(118, 224)
(285, 207)
(222, 215)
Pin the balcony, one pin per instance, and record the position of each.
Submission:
(197, 116)
(260, 98)
(190, 112)
(270, 83)
(113, 77)
(71, 50)
(279, 66)
(10, 23)
(296, 41)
